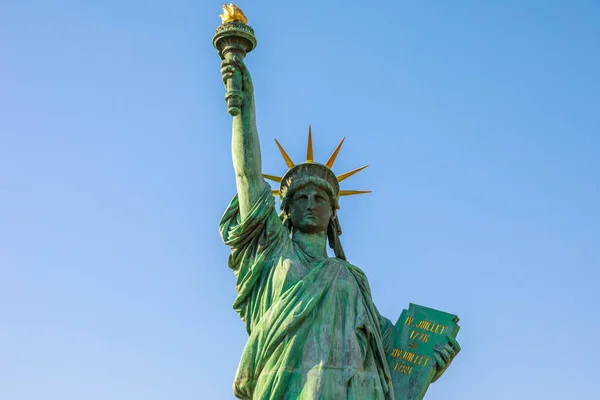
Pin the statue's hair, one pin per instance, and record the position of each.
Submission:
(334, 229)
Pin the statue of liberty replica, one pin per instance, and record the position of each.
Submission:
(314, 331)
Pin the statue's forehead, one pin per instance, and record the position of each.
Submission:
(311, 188)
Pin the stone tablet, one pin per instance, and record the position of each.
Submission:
(411, 361)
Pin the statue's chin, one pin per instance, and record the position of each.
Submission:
(311, 227)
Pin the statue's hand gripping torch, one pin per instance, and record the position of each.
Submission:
(233, 37)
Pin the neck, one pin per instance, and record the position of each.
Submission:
(314, 244)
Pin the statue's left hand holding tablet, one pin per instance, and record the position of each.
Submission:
(444, 354)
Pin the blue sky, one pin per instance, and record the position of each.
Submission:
(479, 119)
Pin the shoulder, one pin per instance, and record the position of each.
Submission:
(349, 265)
(357, 272)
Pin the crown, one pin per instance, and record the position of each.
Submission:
(310, 168)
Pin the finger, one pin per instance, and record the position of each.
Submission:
(438, 359)
(445, 354)
(227, 62)
(227, 76)
(454, 344)
(446, 347)
(227, 68)
(450, 350)
(442, 351)
(239, 61)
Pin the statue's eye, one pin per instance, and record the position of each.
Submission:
(320, 198)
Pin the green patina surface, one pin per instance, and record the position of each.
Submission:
(314, 331)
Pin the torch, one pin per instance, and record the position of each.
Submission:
(233, 37)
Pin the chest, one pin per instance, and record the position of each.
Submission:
(289, 270)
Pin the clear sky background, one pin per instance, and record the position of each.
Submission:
(481, 124)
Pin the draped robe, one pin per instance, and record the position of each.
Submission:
(314, 332)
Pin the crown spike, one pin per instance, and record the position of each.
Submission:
(333, 156)
(309, 150)
(287, 158)
(275, 192)
(352, 192)
(350, 173)
(272, 177)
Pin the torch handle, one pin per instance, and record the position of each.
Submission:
(233, 95)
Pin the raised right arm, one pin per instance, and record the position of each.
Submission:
(245, 147)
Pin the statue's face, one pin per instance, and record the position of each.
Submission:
(310, 210)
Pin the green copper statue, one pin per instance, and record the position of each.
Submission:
(314, 332)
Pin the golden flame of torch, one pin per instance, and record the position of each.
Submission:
(231, 12)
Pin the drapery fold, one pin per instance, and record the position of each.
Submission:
(314, 332)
